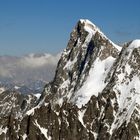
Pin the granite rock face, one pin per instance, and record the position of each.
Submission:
(95, 94)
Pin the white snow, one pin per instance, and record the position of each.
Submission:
(24, 137)
(16, 87)
(3, 130)
(29, 99)
(134, 44)
(37, 95)
(127, 99)
(95, 135)
(95, 82)
(60, 101)
(65, 84)
(119, 48)
(2, 89)
(127, 90)
(92, 29)
(31, 111)
(44, 131)
(81, 115)
(70, 64)
(86, 21)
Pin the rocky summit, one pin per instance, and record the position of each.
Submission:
(95, 94)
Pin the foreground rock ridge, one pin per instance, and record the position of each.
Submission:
(95, 94)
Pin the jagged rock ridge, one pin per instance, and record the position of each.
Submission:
(94, 95)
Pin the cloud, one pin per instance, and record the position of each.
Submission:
(38, 60)
(5, 72)
(31, 67)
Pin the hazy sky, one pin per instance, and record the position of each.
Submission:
(44, 25)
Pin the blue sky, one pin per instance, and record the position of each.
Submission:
(28, 26)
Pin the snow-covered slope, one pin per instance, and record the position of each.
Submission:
(126, 87)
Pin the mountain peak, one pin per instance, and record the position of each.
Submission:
(87, 22)
(90, 27)
(89, 53)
